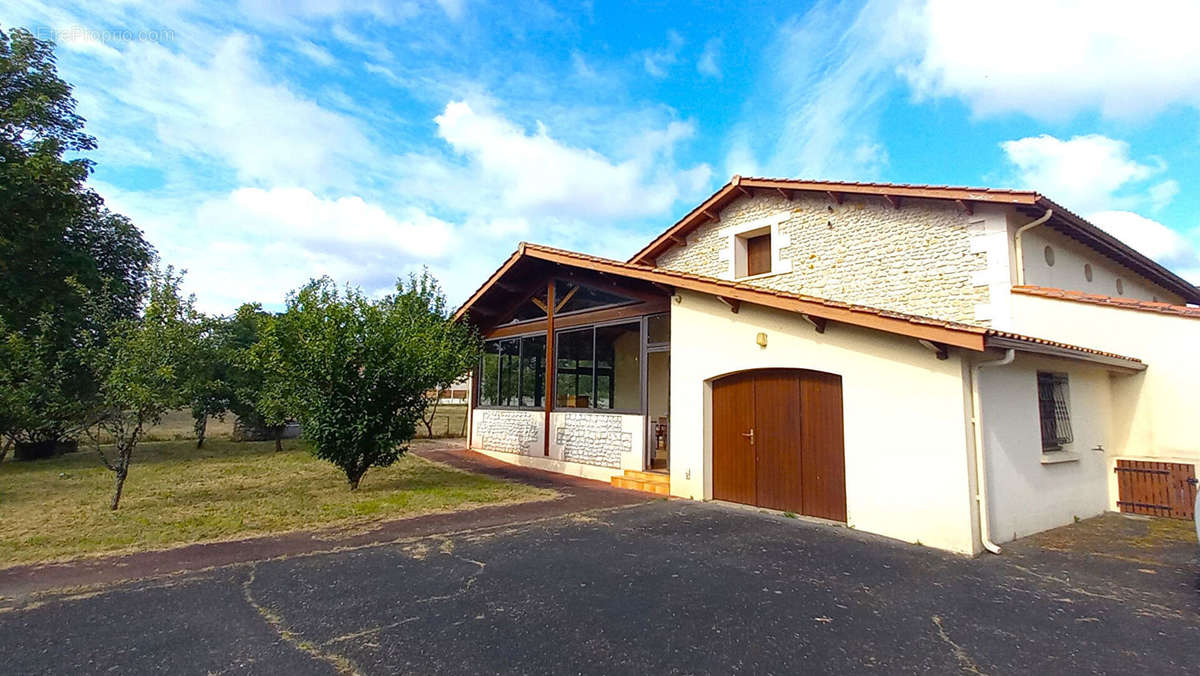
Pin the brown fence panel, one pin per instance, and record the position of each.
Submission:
(1156, 488)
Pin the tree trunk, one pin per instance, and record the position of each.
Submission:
(4, 449)
(116, 498)
(201, 428)
(432, 412)
(278, 438)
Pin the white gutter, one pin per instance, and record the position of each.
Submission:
(985, 530)
(1020, 256)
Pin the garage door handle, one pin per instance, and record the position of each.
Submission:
(749, 434)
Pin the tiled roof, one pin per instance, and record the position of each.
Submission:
(1072, 223)
(837, 311)
(1111, 301)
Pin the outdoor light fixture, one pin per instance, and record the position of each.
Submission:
(761, 339)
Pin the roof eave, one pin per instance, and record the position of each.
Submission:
(1112, 362)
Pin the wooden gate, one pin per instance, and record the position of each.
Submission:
(1156, 488)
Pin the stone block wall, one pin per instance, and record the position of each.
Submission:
(508, 431)
(593, 439)
(916, 259)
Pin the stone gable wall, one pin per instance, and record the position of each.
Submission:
(916, 259)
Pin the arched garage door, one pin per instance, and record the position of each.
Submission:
(778, 441)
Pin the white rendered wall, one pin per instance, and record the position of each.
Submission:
(1068, 272)
(907, 466)
(1156, 414)
(1029, 491)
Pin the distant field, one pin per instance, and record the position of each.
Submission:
(448, 421)
(176, 494)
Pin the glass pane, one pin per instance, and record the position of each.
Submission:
(618, 367)
(573, 369)
(489, 373)
(658, 329)
(584, 297)
(509, 370)
(533, 370)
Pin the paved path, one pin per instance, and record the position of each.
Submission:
(657, 587)
(575, 495)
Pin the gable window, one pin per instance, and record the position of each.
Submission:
(758, 254)
(1054, 410)
(752, 253)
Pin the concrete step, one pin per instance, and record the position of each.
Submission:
(648, 477)
(634, 484)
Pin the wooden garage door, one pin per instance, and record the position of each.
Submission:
(777, 441)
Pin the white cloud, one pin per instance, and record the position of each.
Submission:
(227, 107)
(535, 175)
(658, 62)
(707, 64)
(1095, 176)
(315, 53)
(1087, 173)
(1053, 58)
(1153, 239)
(818, 112)
(252, 244)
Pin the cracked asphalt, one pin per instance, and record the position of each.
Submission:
(661, 587)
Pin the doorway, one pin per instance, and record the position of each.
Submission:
(778, 441)
(658, 410)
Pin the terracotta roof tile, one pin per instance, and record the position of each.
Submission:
(1111, 301)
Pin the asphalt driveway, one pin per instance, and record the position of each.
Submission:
(660, 587)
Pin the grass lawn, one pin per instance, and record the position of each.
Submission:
(175, 494)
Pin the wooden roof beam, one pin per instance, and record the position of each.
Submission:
(893, 200)
(937, 348)
(967, 206)
(817, 322)
(837, 197)
(733, 303)
(679, 239)
(744, 190)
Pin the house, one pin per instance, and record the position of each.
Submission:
(952, 366)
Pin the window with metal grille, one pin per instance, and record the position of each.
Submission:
(1054, 410)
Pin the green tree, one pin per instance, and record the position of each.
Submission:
(142, 371)
(259, 394)
(358, 370)
(208, 374)
(59, 246)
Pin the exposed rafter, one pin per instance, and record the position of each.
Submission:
(679, 239)
(817, 322)
(893, 200)
(733, 303)
(744, 190)
(559, 305)
(783, 193)
(937, 348)
(713, 216)
(835, 196)
(967, 207)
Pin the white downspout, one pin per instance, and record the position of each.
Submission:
(985, 530)
(1020, 252)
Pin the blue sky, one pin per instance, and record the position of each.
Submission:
(259, 144)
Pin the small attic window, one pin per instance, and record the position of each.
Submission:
(1120, 287)
(753, 252)
(1049, 254)
(1087, 271)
